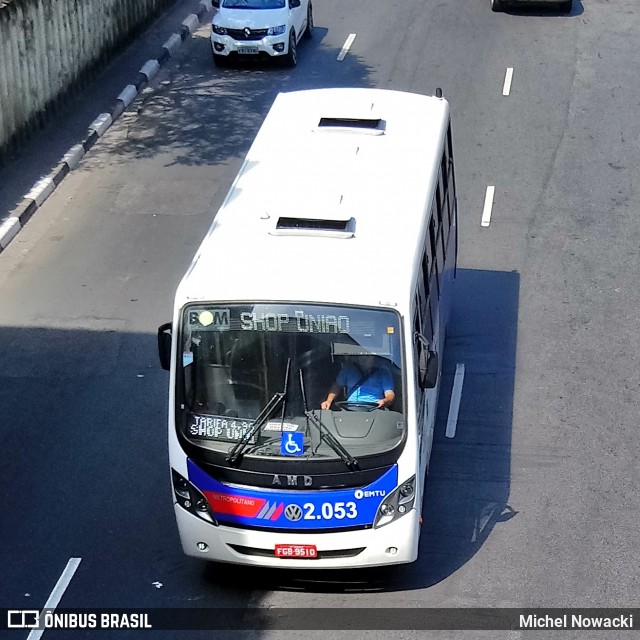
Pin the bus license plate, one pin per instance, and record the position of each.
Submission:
(243, 50)
(300, 551)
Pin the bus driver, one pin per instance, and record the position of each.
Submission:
(366, 383)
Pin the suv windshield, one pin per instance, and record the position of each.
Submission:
(253, 4)
(329, 367)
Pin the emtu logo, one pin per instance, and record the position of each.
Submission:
(358, 494)
(23, 619)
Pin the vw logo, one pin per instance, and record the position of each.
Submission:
(247, 31)
(293, 512)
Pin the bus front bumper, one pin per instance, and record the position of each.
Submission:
(395, 543)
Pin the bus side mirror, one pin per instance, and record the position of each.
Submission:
(428, 369)
(164, 345)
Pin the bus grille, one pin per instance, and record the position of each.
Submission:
(268, 553)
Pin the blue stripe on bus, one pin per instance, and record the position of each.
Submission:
(295, 510)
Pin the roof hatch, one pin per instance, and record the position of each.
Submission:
(375, 126)
(327, 227)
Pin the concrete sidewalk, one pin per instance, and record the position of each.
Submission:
(70, 127)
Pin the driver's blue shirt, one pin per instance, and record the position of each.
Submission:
(371, 390)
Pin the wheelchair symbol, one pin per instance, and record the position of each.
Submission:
(291, 444)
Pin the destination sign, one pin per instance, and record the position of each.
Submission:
(300, 322)
(217, 319)
(219, 428)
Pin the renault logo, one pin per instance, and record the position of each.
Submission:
(247, 31)
(293, 512)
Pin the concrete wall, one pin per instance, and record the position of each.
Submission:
(48, 46)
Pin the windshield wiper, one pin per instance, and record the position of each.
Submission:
(325, 434)
(235, 455)
(278, 398)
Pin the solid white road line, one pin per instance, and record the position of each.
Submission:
(347, 45)
(58, 591)
(454, 405)
(506, 89)
(488, 205)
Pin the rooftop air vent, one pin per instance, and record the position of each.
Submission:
(372, 125)
(332, 228)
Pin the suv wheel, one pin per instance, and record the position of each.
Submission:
(497, 5)
(308, 32)
(292, 54)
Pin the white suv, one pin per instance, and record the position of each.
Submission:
(254, 27)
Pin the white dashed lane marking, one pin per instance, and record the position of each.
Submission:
(346, 46)
(454, 405)
(508, 77)
(488, 205)
(57, 593)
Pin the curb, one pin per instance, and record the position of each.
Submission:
(44, 187)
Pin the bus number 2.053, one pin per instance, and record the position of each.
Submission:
(329, 511)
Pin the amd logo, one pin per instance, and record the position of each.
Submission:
(292, 481)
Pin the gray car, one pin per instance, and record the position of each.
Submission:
(500, 5)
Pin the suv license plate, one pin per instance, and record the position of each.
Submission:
(300, 551)
(243, 50)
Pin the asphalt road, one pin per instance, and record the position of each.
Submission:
(535, 500)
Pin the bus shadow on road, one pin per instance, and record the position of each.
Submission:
(469, 476)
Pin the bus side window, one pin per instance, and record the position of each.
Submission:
(427, 323)
(448, 177)
(423, 306)
(442, 231)
(424, 274)
(427, 260)
(416, 331)
(444, 169)
(437, 263)
(448, 207)
(441, 207)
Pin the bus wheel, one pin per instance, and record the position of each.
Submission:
(497, 5)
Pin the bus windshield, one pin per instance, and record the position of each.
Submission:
(313, 376)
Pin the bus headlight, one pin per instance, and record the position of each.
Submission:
(191, 499)
(397, 503)
(406, 490)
